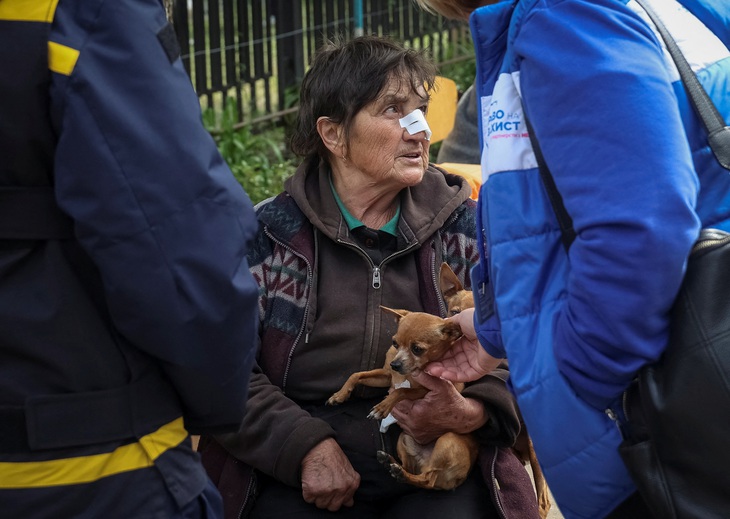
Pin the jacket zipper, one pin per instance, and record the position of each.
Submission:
(377, 275)
(495, 484)
(249, 491)
(623, 429)
(709, 242)
(614, 418)
(436, 284)
(624, 403)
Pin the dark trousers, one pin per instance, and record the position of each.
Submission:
(379, 494)
(468, 501)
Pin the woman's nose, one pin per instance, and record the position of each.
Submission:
(418, 136)
(415, 126)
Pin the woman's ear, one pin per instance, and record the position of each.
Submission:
(332, 136)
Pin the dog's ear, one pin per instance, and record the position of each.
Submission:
(397, 313)
(448, 281)
(451, 330)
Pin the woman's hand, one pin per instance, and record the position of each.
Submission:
(466, 360)
(328, 479)
(442, 410)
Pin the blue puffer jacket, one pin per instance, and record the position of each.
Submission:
(630, 159)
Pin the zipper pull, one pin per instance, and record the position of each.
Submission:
(617, 422)
(612, 415)
(376, 278)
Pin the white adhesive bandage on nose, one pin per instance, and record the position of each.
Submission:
(415, 122)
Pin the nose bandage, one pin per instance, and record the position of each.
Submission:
(415, 122)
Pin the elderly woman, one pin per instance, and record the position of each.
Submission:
(365, 221)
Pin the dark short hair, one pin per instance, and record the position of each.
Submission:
(345, 76)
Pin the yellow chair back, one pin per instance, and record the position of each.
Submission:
(440, 118)
(442, 108)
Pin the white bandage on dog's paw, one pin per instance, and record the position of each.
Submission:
(415, 122)
(390, 419)
(387, 422)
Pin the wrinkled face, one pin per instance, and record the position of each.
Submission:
(379, 148)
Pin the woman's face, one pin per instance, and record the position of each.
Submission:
(379, 148)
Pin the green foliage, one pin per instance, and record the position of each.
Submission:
(463, 70)
(258, 159)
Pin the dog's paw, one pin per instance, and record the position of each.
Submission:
(397, 472)
(375, 415)
(390, 463)
(379, 412)
(384, 458)
(337, 398)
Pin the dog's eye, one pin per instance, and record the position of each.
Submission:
(395, 344)
(454, 311)
(416, 349)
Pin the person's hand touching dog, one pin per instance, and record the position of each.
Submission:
(466, 360)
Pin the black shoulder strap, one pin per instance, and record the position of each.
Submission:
(556, 200)
(718, 133)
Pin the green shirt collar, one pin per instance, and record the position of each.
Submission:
(352, 223)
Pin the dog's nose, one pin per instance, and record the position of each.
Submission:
(396, 366)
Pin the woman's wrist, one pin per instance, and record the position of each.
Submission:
(474, 416)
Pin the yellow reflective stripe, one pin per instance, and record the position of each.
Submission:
(61, 59)
(28, 10)
(85, 469)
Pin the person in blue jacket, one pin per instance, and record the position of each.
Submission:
(630, 158)
(127, 309)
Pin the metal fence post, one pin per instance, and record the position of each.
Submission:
(289, 46)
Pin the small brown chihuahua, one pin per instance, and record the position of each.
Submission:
(420, 338)
(458, 299)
